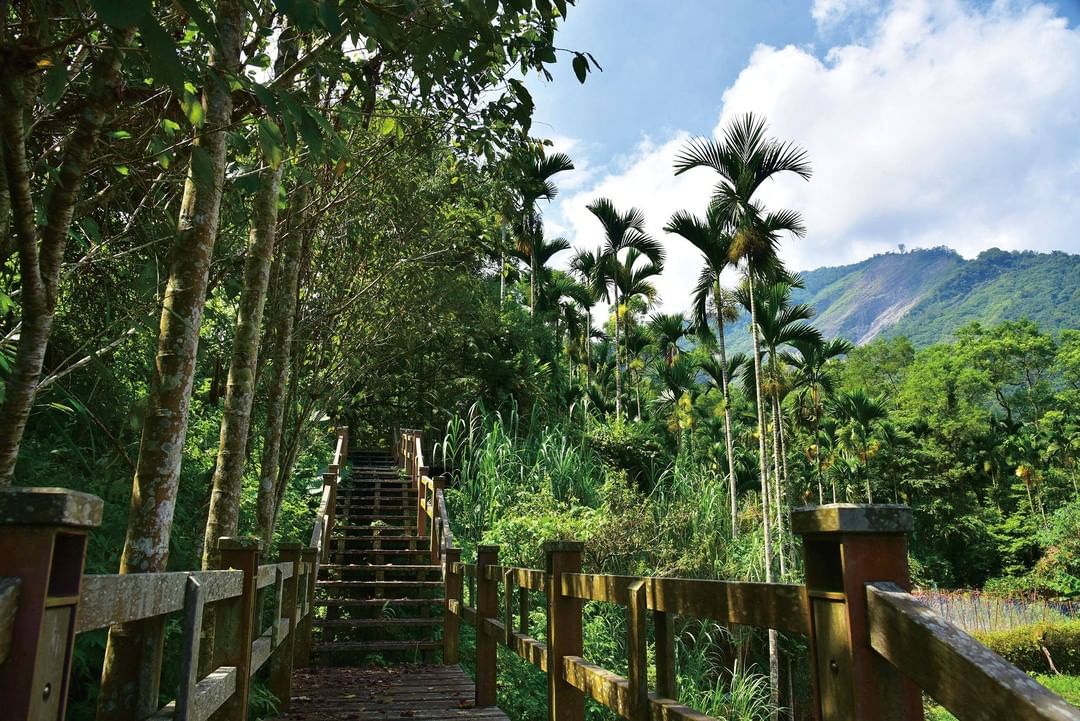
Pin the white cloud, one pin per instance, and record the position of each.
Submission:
(830, 12)
(946, 125)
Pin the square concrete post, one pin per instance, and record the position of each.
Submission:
(42, 550)
(845, 547)
(565, 702)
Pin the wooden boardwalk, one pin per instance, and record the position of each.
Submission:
(427, 693)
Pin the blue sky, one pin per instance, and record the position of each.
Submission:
(929, 122)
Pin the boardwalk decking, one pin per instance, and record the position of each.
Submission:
(426, 693)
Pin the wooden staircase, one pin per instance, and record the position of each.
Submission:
(381, 592)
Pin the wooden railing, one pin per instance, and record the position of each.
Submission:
(262, 614)
(873, 648)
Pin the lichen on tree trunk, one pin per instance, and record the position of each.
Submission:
(282, 320)
(41, 252)
(129, 682)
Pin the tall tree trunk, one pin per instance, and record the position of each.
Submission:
(6, 247)
(618, 372)
(282, 318)
(730, 446)
(130, 678)
(777, 490)
(224, 516)
(41, 254)
(774, 657)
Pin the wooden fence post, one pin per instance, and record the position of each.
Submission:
(281, 662)
(664, 628)
(421, 497)
(329, 481)
(451, 622)
(235, 624)
(439, 483)
(846, 546)
(487, 606)
(42, 546)
(302, 651)
(565, 703)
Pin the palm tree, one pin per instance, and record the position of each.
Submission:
(537, 255)
(713, 239)
(589, 266)
(813, 381)
(864, 415)
(633, 282)
(667, 330)
(624, 232)
(678, 390)
(535, 171)
(745, 158)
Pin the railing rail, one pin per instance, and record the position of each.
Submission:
(873, 647)
(46, 601)
(968, 679)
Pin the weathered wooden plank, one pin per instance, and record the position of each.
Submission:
(210, 694)
(638, 652)
(117, 598)
(529, 578)
(767, 605)
(261, 648)
(782, 606)
(613, 692)
(267, 571)
(194, 603)
(9, 604)
(968, 679)
(530, 649)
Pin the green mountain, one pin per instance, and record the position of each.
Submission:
(928, 294)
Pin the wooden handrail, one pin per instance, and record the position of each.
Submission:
(968, 679)
(42, 590)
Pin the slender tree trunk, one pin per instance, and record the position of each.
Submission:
(282, 318)
(6, 247)
(618, 372)
(224, 516)
(777, 481)
(41, 254)
(732, 487)
(129, 682)
(774, 657)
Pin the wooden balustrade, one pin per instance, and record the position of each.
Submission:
(873, 648)
(46, 601)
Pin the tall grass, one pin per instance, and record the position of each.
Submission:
(497, 459)
(975, 611)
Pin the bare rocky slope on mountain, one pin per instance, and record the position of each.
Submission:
(926, 294)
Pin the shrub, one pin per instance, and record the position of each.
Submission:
(1024, 646)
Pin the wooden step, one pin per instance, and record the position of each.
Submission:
(378, 622)
(375, 567)
(382, 552)
(375, 646)
(378, 584)
(374, 602)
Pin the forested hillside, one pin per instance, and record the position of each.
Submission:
(927, 294)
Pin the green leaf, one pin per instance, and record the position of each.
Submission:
(271, 142)
(387, 126)
(581, 67)
(170, 127)
(164, 63)
(54, 85)
(202, 167)
(122, 169)
(121, 13)
(330, 15)
(192, 108)
(201, 18)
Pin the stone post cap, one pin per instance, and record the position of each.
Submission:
(852, 518)
(234, 543)
(33, 506)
